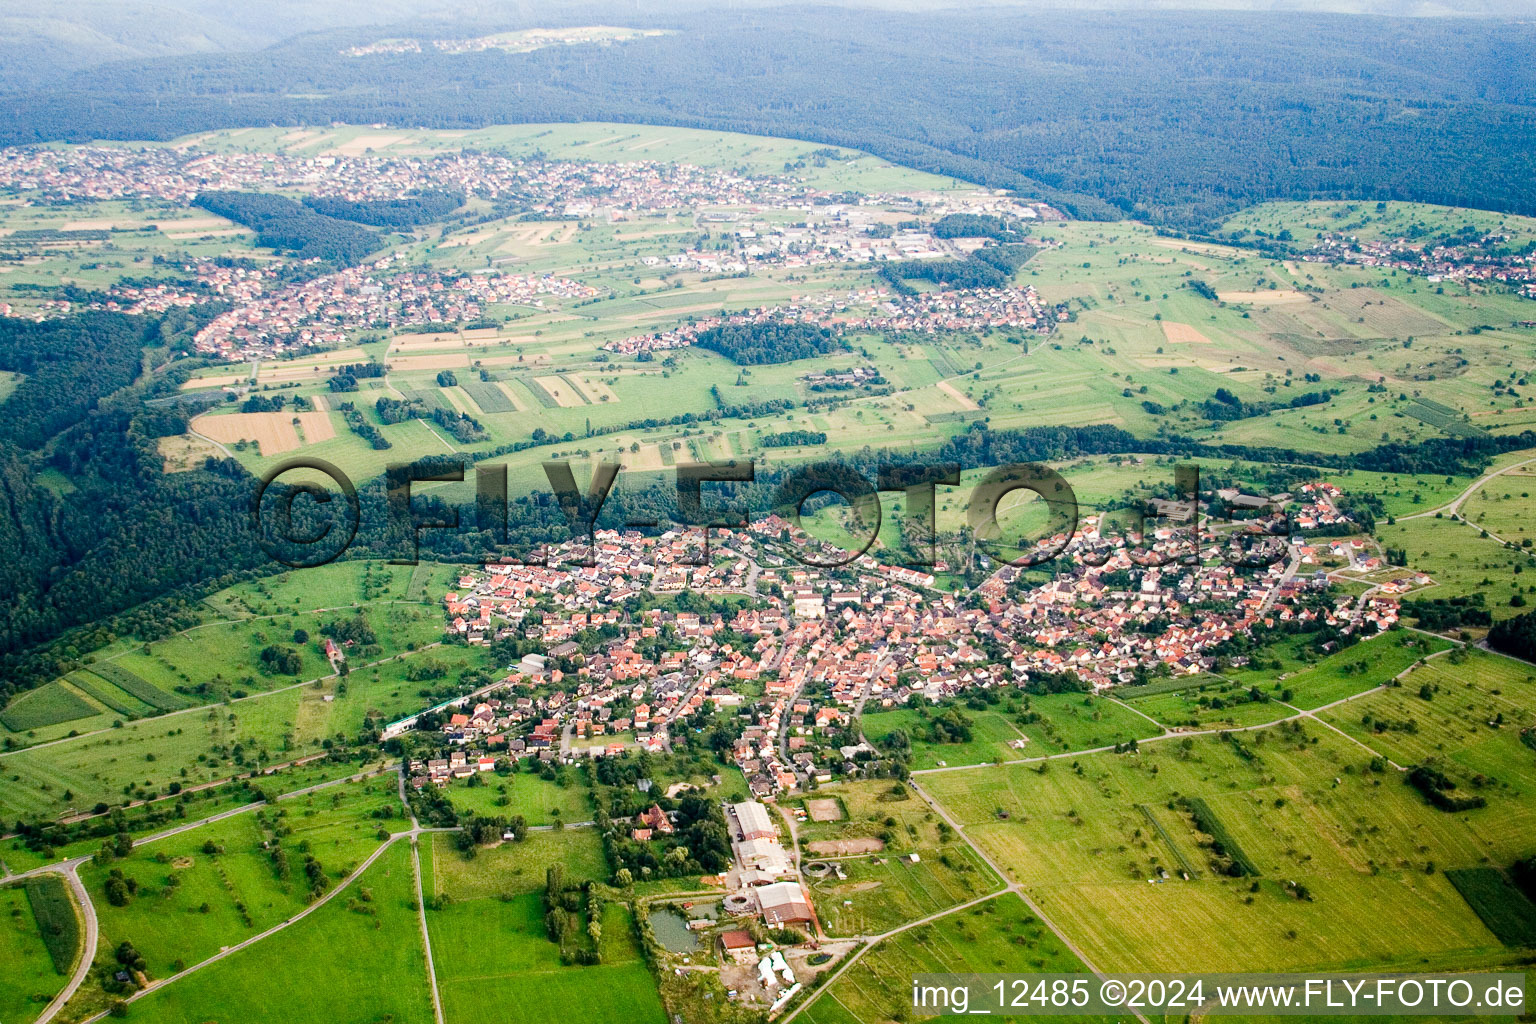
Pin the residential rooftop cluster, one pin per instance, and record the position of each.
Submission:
(554, 187)
(1481, 258)
(796, 662)
(386, 293)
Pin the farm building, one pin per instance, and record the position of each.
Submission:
(754, 821)
(763, 858)
(738, 946)
(784, 903)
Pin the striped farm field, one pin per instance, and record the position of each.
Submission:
(577, 391)
(425, 342)
(29, 968)
(594, 390)
(489, 396)
(432, 398)
(555, 390)
(458, 400)
(139, 688)
(107, 695)
(428, 362)
(50, 704)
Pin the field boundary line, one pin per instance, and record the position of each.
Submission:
(295, 919)
(421, 916)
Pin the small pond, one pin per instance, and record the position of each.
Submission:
(672, 930)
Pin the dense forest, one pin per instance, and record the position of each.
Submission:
(772, 341)
(281, 223)
(118, 532)
(1516, 636)
(792, 438)
(1176, 117)
(979, 225)
(422, 207)
(70, 365)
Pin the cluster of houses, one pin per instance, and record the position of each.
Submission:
(1316, 506)
(178, 174)
(798, 663)
(459, 764)
(320, 312)
(1486, 258)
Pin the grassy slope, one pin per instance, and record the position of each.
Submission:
(519, 977)
(350, 960)
(1303, 810)
(29, 979)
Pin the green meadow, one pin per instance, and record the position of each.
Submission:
(1350, 859)
(1346, 672)
(886, 888)
(29, 980)
(999, 936)
(1022, 726)
(1469, 727)
(144, 758)
(357, 958)
(524, 793)
(492, 952)
(510, 869)
(1462, 561)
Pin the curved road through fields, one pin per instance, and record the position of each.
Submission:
(70, 869)
(1453, 507)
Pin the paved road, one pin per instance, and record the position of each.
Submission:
(421, 913)
(421, 903)
(1176, 734)
(70, 869)
(227, 453)
(1008, 887)
(235, 700)
(68, 865)
(1454, 506)
(412, 835)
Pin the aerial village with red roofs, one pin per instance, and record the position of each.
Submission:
(867, 633)
(796, 654)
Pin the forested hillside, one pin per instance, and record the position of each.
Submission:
(70, 366)
(1176, 117)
